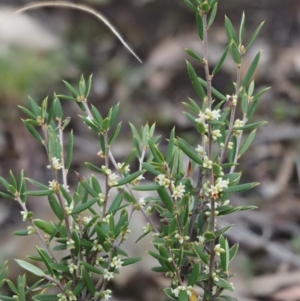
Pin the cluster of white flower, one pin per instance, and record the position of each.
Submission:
(147, 228)
(237, 123)
(86, 219)
(30, 230)
(180, 288)
(111, 176)
(106, 218)
(55, 164)
(178, 191)
(207, 163)
(116, 262)
(123, 168)
(181, 239)
(201, 240)
(53, 185)
(233, 98)
(214, 190)
(216, 134)
(163, 180)
(142, 202)
(68, 209)
(72, 267)
(229, 146)
(200, 150)
(108, 275)
(70, 244)
(101, 197)
(67, 296)
(218, 250)
(99, 260)
(97, 247)
(24, 215)
(106, 294)
(208, 114)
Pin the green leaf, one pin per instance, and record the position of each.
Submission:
(39, 192)
(233, 250)
(235, 54)
(84, 206)
(155, 152)
(183, 296)
(129, 261)
(146, 187)
(88, 282)
(244, 103)
(251, 126)
(214, 91)
(45, 297)
(28, 113)
(195, 81)
(221, 61)
(242, 29)
(165, 198)
(200, 253)
(251, 70)
(21, 233)
(193, 55)
(130, 178)
(71, 89)
(230, 31)
(116, 203)
(46, 258)
(224, 257)
(30, 267)
(149, 167)
(240, 188)
(112, 114)
(55, 207)
(45, 226)
(33, 132)
(5, 298)
(91, 268)
(86, 185)
(115, 133)
(254, 35)
(200, 26)
(212, 15)
(34, 107)
(88, 86)
(96, 115)
(192, 279)
(247, 143)
(192, 154)
(70, 150)
(190, 5)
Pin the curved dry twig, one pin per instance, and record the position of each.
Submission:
(84, 8)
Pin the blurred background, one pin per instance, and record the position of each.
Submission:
(40, 48)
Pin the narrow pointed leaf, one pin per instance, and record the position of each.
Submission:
(30, 267)
(200, 26)
(242, 29)
(195, 81)
(230, 31)
(251, 70)
(221, 61)
(254, 35)
(247, 143)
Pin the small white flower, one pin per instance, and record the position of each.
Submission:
(72, 267)
(53, 185)
(24, 215)
(163, 181)
(30, 230)
(200, 150)
(218, 250)
(206, 269)
(116, 262)
(123, 168)
(237, 123)
(226, 202)
(215, 277)
(178, 191)
(86, 219)
(112, 179)
(216, 134)
(96, 247)
(142, 202)
(221, 184)
(107, 294)
(230, 145)
(106, 170)
(56, 164)
(106, 218)
(207, 163)
(101, 197)
(201, 239)
(108, 275)
(70, 244)
(69, 209)
(147, 228)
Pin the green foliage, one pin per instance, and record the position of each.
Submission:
(92, 223)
